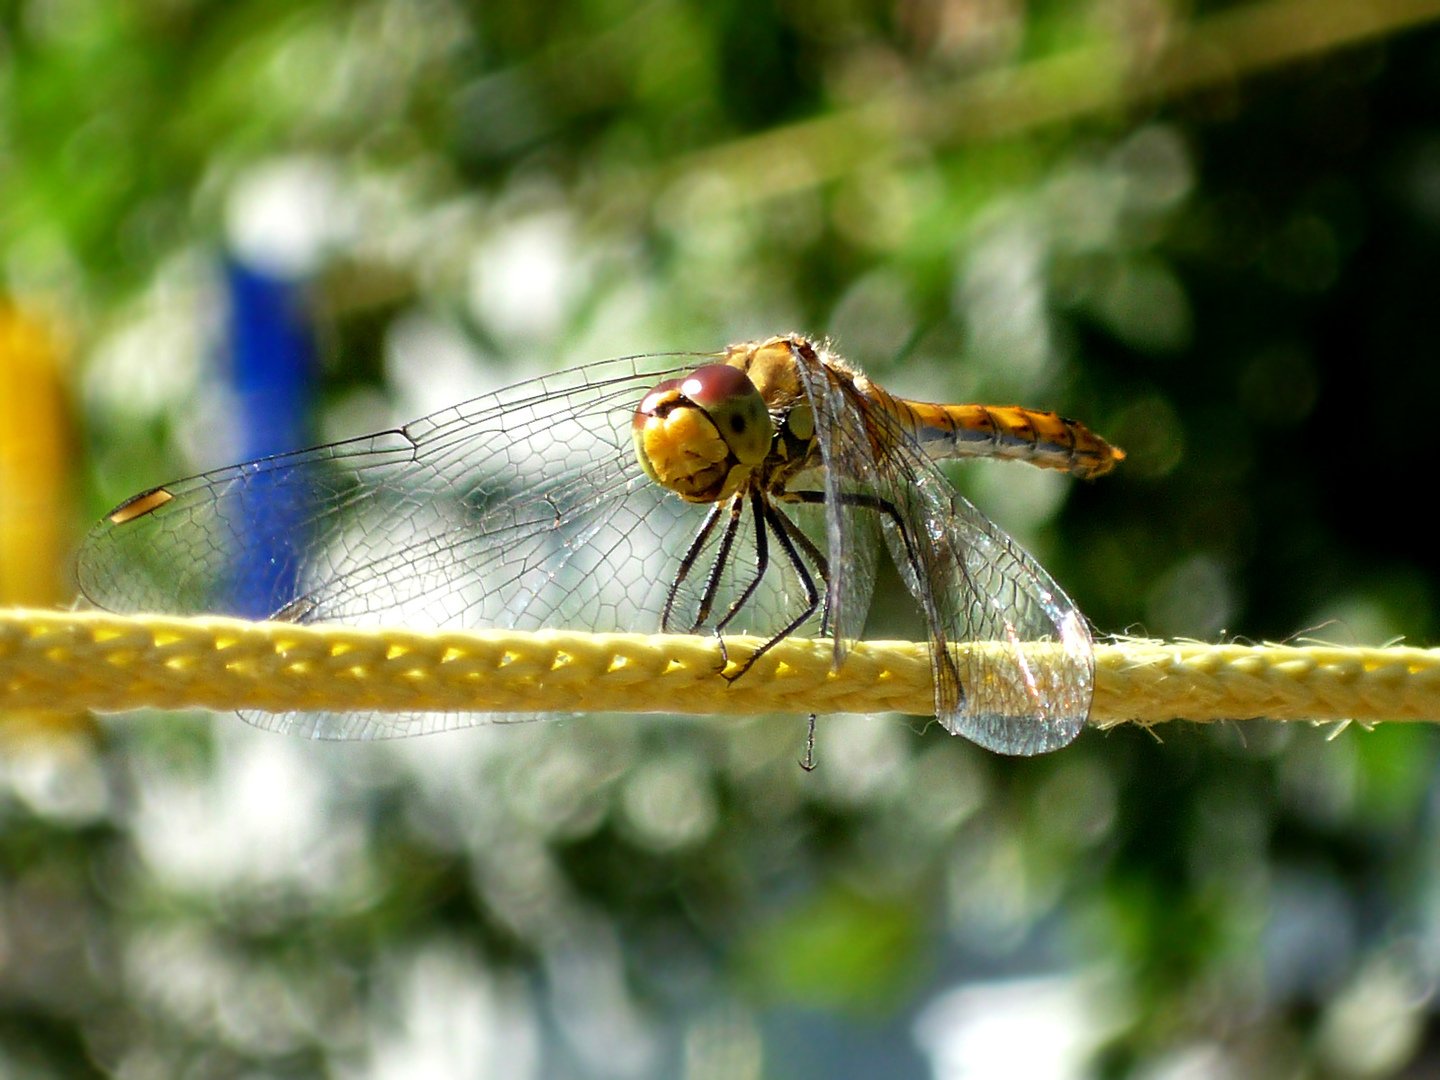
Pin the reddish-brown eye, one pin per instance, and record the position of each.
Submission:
(736, 408)
(717, 384)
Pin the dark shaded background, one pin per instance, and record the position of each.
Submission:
(1208, 230)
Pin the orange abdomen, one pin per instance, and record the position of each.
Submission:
(1045, 439)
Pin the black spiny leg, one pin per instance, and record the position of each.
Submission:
(762, 563)
(822, 564)
(867, 502)
(717, 568)
(891, 511)
(687, 563)
(822, 568)
(808, 761)
(778, 523)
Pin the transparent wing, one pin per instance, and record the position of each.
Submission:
(1013, 659)
(525, 509)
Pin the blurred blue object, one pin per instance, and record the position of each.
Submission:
(271, 348)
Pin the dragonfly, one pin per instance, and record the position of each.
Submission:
(750, 491)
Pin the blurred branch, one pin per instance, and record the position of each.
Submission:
(111, 662)
(1213, 53)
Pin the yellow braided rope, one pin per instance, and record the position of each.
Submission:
(93, 660)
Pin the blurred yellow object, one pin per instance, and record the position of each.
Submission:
(35, 453)
(111, 662)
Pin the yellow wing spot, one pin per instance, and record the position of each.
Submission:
(295, 610)
(145, 503)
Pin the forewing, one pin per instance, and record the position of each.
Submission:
(347, 515)
(524, 509)
(1013, 659)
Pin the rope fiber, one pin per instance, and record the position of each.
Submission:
(106, 663)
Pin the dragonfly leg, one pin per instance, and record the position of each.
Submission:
(808, 761)
(868, 502)
(712, 581)
(817, 558)
(762, 563)
(780, 525)
(687, 563)
(950, 675)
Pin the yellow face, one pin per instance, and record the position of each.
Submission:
(703, 436)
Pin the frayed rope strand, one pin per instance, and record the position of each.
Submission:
(93, 660)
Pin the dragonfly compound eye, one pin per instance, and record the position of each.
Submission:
(701, 436)
(735, 407)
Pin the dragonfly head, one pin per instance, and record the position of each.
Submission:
(703, 435)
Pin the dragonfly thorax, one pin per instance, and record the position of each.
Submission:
(703, 436)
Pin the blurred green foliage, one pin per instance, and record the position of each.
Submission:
(979, 199)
